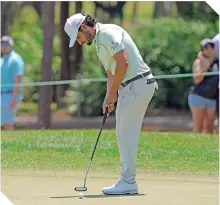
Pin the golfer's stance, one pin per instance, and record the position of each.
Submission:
(130, 77)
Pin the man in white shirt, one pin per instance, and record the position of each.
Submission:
(128, 75)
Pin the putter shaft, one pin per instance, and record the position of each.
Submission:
(100, 131)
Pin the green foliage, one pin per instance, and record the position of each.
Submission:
(91, 98)
(91, 67)
(27, 32)
(145, 10)
(168, 46)
(90, 95)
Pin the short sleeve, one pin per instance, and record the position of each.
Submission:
(105, 66)
(111, 38)
(17, 67)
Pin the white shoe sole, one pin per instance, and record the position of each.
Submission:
(122, 193)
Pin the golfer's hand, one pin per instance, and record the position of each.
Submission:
(111, 106)
(104, 105)
(111, 99)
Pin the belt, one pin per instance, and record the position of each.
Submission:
(136, 78)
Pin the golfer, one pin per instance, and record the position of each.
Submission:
(128, 75)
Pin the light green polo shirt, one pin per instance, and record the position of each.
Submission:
(109, 40)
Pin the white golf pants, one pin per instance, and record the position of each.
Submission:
(132, 103)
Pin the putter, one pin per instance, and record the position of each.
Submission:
(84, 188)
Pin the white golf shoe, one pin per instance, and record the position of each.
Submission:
(121, 187)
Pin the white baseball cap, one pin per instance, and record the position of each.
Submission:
(72, 26)
(8, 39)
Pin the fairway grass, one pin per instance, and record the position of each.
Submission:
(71, 150)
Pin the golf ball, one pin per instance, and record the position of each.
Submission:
(80, 195)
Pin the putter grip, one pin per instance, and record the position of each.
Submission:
(105, 115)
(106, 110)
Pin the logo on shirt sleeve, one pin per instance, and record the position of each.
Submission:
(114, 45)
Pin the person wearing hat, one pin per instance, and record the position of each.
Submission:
(128, 75)
(202, 97)
(12, 70)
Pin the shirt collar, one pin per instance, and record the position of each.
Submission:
(98, 28)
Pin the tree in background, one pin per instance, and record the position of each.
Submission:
(37, 5)
(71, 58)
(65, 64)
(114, 11)
(10, 9)
(44, 115)
(196, 10)
(5, 15)
(8, 12)
(76, 52)
(135, 4)
(162, 8)
(185, 8)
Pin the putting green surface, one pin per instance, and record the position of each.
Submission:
(43, 167)
(56, 188)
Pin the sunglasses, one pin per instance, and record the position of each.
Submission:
(209, 46)
(4, 44)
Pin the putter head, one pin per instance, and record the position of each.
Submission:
(80, 189)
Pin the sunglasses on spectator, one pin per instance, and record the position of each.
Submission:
(208, 45)
(4, 44)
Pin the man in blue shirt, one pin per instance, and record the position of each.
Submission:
(12, 70)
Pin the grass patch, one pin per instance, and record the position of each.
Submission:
(71, 150)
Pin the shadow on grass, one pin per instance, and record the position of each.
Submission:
(97, 196)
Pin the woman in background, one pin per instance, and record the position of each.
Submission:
(202, 98)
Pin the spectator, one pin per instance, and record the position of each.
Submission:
(12, 70)
(202, 98)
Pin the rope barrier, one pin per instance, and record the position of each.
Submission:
(63, 82)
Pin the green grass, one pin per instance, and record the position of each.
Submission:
(71, 150)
